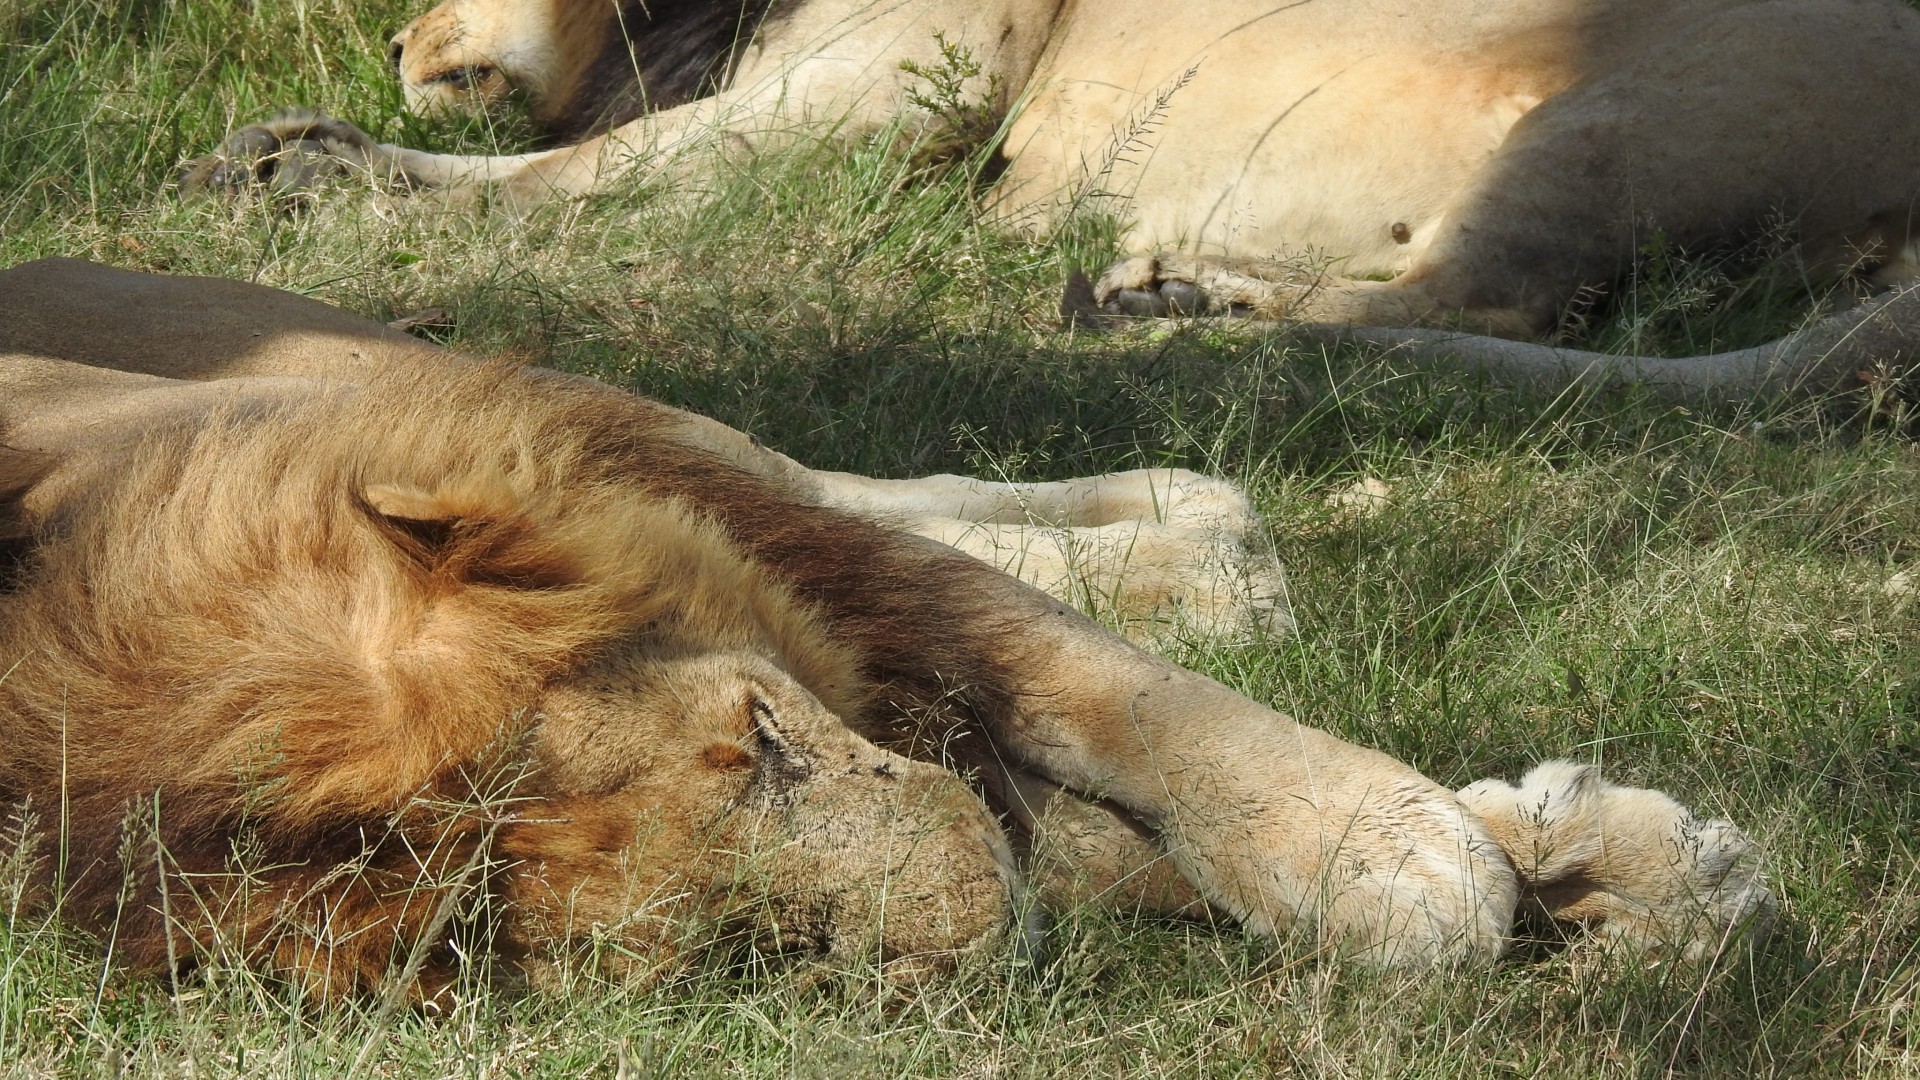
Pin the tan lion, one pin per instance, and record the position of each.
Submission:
(318, 641)
(1363, 162)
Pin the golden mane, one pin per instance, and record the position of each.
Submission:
(295, 627)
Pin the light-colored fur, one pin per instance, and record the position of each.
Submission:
(372, 632)
(1487, 157)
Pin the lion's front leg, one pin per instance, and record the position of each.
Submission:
(294, 153)
(1289, 828)
(1284, 827)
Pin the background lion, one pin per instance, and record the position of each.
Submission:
(1363, 162)
(346, 633)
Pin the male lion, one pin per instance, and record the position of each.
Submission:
(316, 640)
(1363, 162)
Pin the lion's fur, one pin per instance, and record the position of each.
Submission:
(351, 640)
(1491, 157)
(308, 619)
(1078, 538)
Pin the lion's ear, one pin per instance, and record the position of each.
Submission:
(433, 516)
(20, 472)
(468, 500)
(404, 502)
(475, 529)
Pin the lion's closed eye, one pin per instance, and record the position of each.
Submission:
(760, 717)
(728, 755)
(464, 78)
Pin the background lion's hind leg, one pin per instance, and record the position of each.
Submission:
(1171, 284)
(1632, 863)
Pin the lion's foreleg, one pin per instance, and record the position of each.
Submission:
(1280, 825)
(1177, 497)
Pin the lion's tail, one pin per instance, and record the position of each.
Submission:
(1633, 863)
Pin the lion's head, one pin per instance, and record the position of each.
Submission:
(580, 66)
(348, 659)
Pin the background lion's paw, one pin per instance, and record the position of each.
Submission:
(286, 157)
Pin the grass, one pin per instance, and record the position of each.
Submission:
(1707, 602)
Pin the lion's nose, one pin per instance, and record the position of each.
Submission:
(396, 50)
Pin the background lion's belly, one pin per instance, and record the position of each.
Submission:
(1338, 131)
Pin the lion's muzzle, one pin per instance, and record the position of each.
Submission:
(716, 786)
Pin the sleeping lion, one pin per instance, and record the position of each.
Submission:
(319, 640)
(1362, 162)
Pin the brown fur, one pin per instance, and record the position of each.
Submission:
(322, 634)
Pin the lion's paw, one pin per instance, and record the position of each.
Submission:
(1195, 584)
(1171, 285)
(1139, 287)
(1632, 863)
(288, 156)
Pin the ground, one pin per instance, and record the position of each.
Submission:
(1723, 603)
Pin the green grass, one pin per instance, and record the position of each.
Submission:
(1700, 600)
